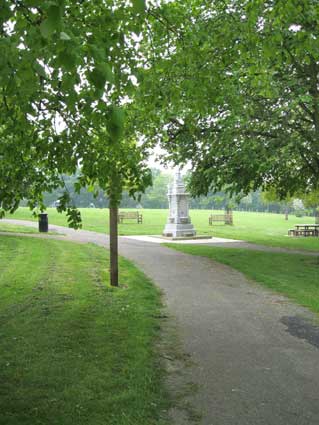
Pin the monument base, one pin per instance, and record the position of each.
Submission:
(184, 238)
(179, 230)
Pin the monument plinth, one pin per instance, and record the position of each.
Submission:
(179, 223)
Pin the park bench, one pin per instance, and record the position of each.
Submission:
(130, 215)
(304, 230)
(227, 218)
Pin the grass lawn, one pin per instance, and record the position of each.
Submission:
(261, 228)
(12, 228)
(74, 350)
(296, 276)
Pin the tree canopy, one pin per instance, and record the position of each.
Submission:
(232, 87)
(67, 70)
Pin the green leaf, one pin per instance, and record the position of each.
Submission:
(52, 22)
(108, 72)
(64, 36)
(39, 70)
(100, 75)
(97, 78)
(5, 12)
(116, 123)
(97, 53)
(139, 6)
(117, 116)
(33, 3)
(67, 60)
(46, 28)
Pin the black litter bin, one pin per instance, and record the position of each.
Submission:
(43, 222)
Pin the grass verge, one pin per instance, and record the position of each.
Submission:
(13, 228)
(74, 350)
(296, 276)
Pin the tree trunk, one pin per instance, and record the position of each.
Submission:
(317, 216)
(286, 214)
(113, 209)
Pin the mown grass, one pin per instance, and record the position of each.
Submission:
(74, 350)
(296, 276)
(12, 228)
(260, 228)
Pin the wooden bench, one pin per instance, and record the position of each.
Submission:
(130, 215)
(227, 218)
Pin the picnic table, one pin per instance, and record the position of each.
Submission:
(304, 230)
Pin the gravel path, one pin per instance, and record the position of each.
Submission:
(254, 355)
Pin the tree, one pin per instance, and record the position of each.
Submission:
(115, 168)
(311, 200)
(66, 74)
(232, 86)
(156, 196)
(272, 196)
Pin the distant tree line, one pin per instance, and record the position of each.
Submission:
(155, 197)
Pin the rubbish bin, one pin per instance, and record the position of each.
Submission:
(43, 222)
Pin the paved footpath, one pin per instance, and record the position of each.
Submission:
(255, 355)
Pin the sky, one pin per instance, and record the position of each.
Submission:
(154, 162)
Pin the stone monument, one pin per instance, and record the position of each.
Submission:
(179, 223)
